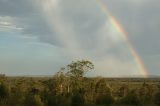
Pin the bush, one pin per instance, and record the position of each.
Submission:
(130, 99)
(104, 100)
(4, 91)
(16, 97)
(33, 100)
(157, 99)
(77, 100)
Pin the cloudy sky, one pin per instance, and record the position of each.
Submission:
(38, 37)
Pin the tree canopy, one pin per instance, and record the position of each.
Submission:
(79, 68)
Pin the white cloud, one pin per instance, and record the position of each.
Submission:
(7, 24)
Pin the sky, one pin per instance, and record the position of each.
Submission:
(38, 37)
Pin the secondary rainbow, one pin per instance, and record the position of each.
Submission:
(124, 35)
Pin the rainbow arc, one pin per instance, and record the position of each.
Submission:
(124, 35)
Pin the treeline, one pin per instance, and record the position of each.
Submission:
(69, 87)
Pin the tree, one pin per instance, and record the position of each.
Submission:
(62, 82)
(79, 68)
(76, 72)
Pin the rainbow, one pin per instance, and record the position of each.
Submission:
(124, 35)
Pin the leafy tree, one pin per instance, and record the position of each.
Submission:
(79, 68)
(76, 72)
(61, 82)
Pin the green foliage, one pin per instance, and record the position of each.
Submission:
(157, 99)
(76, 71)
(130, 99)
(51, 99)
(77, 100)
(69, 87)
(145, 94)
(79, 68)
(4, 91)
(16, 97)
(32, 100)
(104, 100)
(48, 98)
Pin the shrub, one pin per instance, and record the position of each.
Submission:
(77, 100)
(4, 91)
(33, 100)
(130, 99)
(104, 100)
(157, 99)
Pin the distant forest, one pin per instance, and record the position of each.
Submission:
(70, 87)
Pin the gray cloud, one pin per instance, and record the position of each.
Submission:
(17, 8)
(86, 18)
(26, 15)
(141, 21)
(81, 24)
(142, 16)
